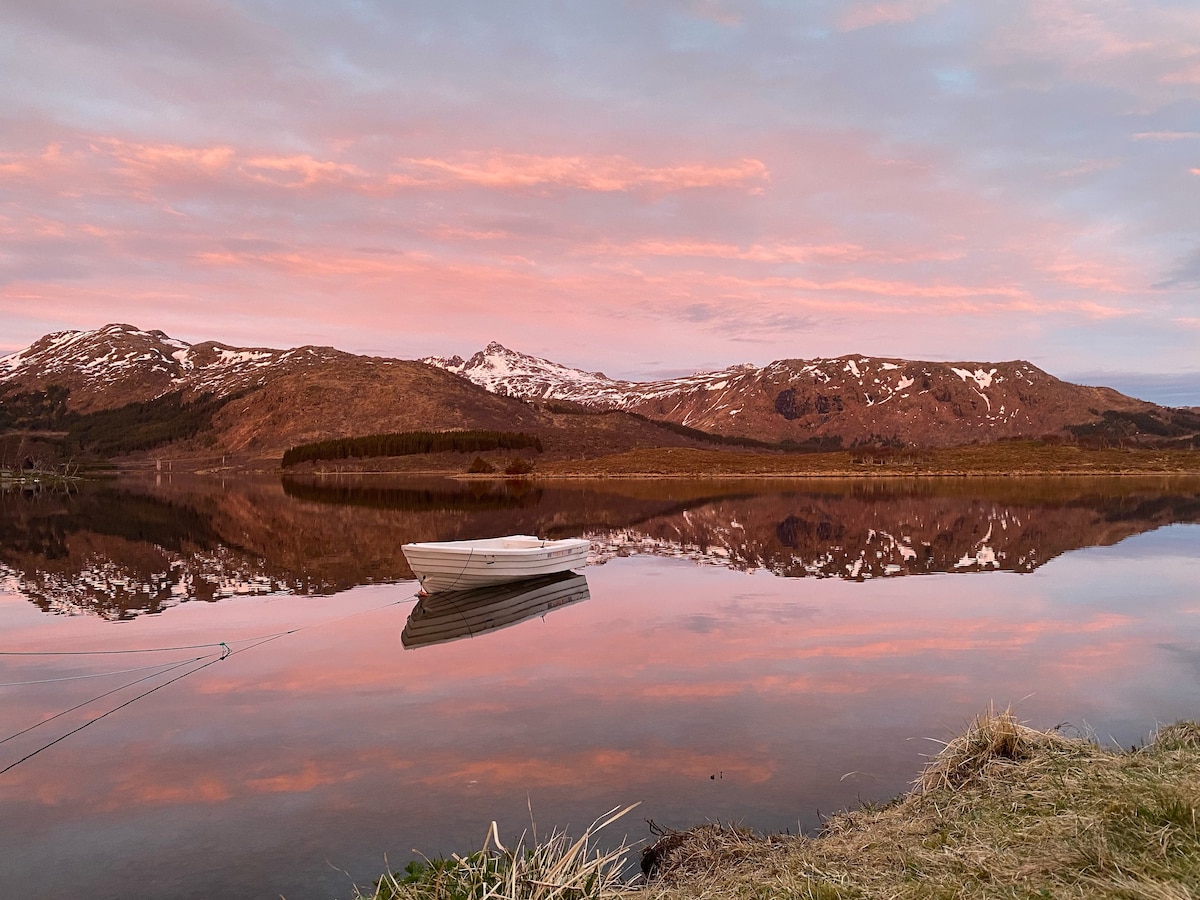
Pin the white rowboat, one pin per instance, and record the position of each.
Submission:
(459, 565)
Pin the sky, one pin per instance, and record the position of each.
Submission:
(641, 188)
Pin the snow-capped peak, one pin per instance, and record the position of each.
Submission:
(126, 363)
(511, 373)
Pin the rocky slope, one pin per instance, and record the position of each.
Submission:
(267, 400)
(851, 398)
(120, 364)
(514, 374)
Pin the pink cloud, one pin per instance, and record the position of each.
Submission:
(602, 174)
(314, 263)
(825, 225)
(1188, 73)
(167, 157)
(866, 15)
(1076, 271)
(1145, 52)
(1091, 166)
(716, 11)
(779, 252)
(301, 170)
(158, 166)
(1166, 135)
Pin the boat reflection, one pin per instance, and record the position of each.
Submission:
(451, 615)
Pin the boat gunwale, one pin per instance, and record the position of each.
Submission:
(485, 545)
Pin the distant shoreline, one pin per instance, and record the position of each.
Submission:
(1015, 459)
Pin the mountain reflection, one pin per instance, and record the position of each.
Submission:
(134, 547)
(451, 615)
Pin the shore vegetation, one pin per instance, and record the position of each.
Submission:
(1001, 458)
(556, 868)
(1002, 811)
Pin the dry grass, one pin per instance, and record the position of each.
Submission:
(558, 868)
(1005, 458)
(1003, 811)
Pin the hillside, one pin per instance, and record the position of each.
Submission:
(120, 390)
(854, 399)
(119, 364)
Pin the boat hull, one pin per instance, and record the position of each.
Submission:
(460, 565)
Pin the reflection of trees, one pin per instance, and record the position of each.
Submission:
(476, 497)
(131, 547)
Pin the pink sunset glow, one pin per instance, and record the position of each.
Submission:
(645, 189)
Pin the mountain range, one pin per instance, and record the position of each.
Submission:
(261, 401)
(851, 398)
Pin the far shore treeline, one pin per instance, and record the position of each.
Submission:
(408, 443)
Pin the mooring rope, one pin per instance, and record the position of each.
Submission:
(29, 756)
(454, 583)
(226, 652)
(225, 644)
(105, 652)
(97, 674)
(170, 668)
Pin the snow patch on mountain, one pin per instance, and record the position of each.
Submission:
(102, 359)
(510, 373)
(980, 377)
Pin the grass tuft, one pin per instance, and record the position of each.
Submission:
(1180, 736)
(991, 742)
(558, 868)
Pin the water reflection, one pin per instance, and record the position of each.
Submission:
(857, 536)
(451, 615)
(473, 497)
(131, 548)
(327, 748)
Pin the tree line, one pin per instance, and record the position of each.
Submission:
(136, 426)
(408, 443)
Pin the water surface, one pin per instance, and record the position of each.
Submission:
(756, 652)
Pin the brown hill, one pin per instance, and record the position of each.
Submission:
(358, 395)
(907, 402)
(119, 364)
(258, 402)
(851, 399)
(210, 398)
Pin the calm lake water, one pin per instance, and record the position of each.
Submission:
(744, 651)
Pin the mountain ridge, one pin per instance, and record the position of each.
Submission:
(840, 398)
(310, 393)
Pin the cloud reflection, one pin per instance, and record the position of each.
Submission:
(617, 699)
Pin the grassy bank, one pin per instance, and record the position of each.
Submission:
(1004, 811)
(1006, 458)
(1002, 458)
